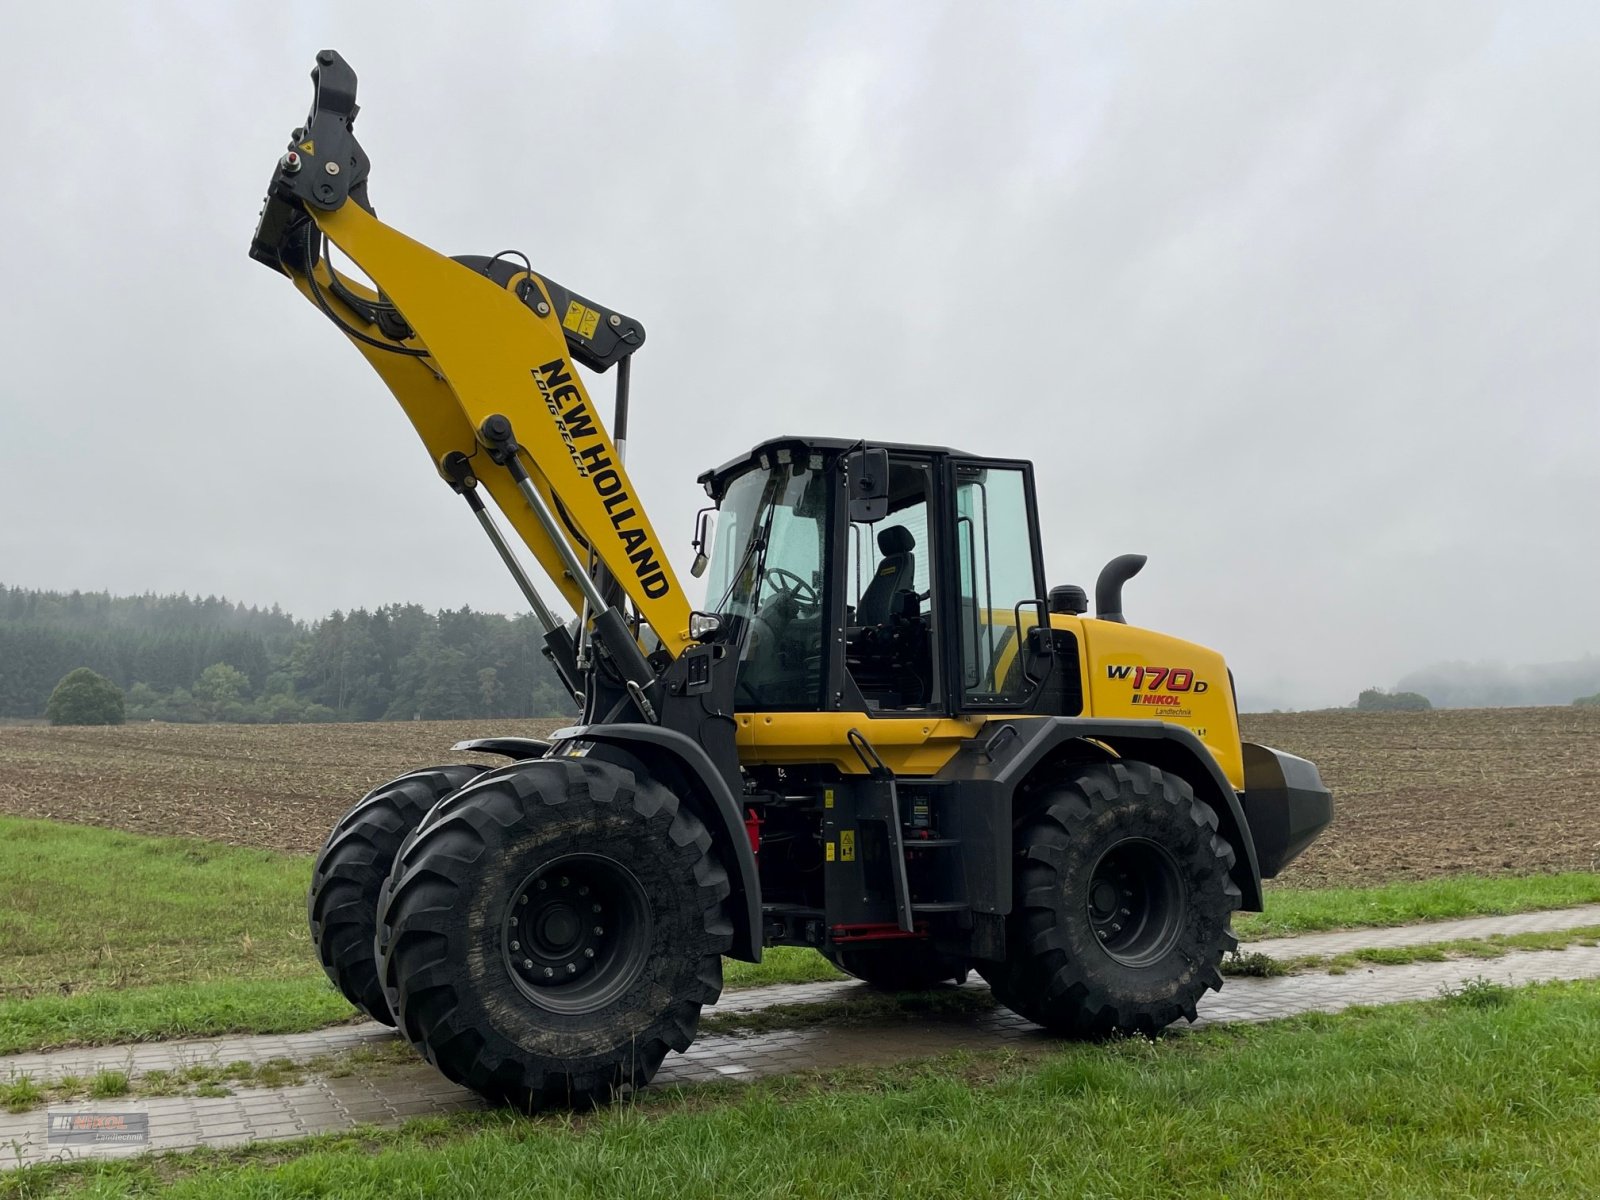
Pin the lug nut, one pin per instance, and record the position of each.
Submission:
(594, 908)
(543, 883)
(527, 964)
(572, 968)
(583, 891)
(522, 899)
(589, 953)
(548, 973)
(516, 945)
(563, 881)
(598, 930)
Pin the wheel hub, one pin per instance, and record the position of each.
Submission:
(576, 933)
(1136, 902)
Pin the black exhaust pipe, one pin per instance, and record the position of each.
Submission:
(1108, 588)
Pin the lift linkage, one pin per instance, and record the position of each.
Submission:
(481, 353)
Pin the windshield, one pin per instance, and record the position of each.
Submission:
(767, 565)
(763, 510)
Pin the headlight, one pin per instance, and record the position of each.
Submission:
(703, 625)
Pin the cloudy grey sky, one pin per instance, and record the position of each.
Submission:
(1302, 300)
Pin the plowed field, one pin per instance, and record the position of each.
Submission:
(1418, 794)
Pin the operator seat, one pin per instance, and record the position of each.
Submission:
(895, 574)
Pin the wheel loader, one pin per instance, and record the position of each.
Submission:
(881, 734)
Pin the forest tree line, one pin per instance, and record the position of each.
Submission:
(188, 658)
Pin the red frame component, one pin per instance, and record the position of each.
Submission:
(881, 932)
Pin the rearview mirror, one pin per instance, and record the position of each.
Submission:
(868, 474)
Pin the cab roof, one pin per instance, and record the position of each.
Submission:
(716, 480)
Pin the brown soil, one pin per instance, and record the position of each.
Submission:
(282, 787)
(1417, 794)
(1438, 793)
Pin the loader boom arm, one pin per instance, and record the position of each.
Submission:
(482, 355)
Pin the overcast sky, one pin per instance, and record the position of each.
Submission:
(1301, 300)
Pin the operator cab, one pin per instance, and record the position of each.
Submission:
(917, 602)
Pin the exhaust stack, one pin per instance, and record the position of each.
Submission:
(1108, 588)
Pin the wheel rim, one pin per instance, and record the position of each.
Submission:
(577, 933)
(1136, 902)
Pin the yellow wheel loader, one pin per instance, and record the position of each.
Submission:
(881, 735)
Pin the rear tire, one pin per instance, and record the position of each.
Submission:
(1122, 906)
(897, 966)
(499, 969)
(342, 904)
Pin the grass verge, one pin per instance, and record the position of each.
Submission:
(112, 937)
(1486, 1091)
(88, 909)
(204, 1079)
(1290, 910)
(1496, 945)
(779, 964)
(208, 1009)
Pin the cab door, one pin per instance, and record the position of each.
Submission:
(998, 578)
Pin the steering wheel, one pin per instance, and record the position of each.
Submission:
(801, 593)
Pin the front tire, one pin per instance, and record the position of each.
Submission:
(348, 876)
(1123, 900)
(554, 931)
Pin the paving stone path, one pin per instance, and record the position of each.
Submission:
(386, 1095)
(1433, 931)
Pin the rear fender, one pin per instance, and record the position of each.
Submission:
(1008, 761)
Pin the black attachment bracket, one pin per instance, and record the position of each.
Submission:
(323, 167)
(597, 337)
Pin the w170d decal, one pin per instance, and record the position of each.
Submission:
(1171, 679)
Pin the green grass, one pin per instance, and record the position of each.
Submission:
(145, 1014)
(779, 964)
(20, 1094)
(206, 1079)
(87, 909)
(1290, 910)
(1485, 1092)
(1495, 945)
(108, 1084)
(1254, 965)
(110, 937)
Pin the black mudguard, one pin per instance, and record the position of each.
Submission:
(1002, 761)
(515, 748)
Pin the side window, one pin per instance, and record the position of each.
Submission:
(994, 559)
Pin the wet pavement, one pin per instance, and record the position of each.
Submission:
(385, 1095)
